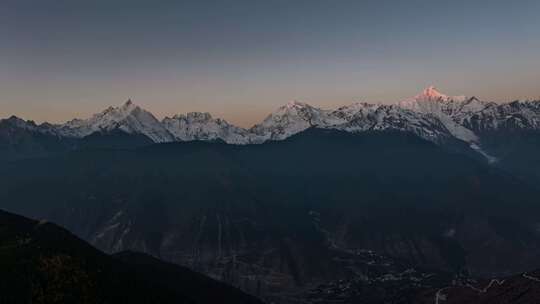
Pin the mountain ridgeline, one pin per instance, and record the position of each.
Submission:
(436, 187)
(458, 123)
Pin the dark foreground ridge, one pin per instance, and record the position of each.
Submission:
(41, 262)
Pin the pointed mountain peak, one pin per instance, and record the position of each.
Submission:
(199, 116)
(296, 104)
(291, 108)
(19, 122)
(129, 104)
(15, 118)
(293, 105)
(129, 107)
(472, 99)
(432, 93)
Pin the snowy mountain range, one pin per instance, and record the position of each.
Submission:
(202, 126)
(128, 118)
(431, 115)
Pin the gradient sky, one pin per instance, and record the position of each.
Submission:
(242, 59)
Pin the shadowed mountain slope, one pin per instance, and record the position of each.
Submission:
(43, 263)
(270, 218)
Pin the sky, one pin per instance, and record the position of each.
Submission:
(240, 60)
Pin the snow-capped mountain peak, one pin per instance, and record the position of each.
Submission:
(296, 104)
(451, 111)
(129, 107)
(202, 126)
(431, 93)
(287, 120)
(128, 103)
(129, 118)
(433, 102)
(293, 107)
